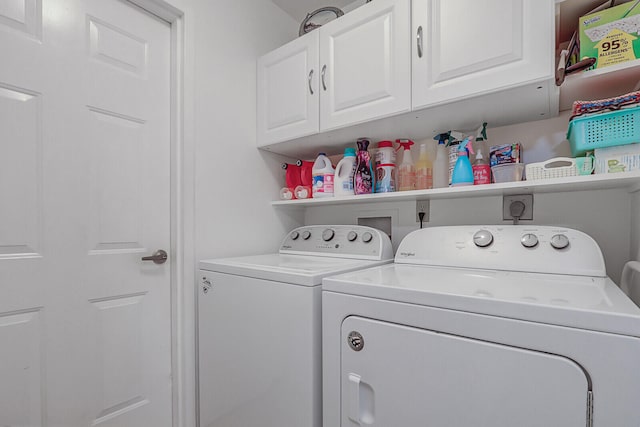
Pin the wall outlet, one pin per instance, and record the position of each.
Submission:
(527, 199)
(422, 205)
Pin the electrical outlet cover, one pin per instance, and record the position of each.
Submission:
(527, 199)
(422, 205)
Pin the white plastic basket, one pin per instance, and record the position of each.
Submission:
(558, 167)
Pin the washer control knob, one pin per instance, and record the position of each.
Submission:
(352, 236)
(483, 238)
(529, 240)
(328, 234)
(559, 241)
(367, 237)
(306, 234)
(295, 235)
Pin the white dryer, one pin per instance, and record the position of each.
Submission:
(259, 319)
(483, 326)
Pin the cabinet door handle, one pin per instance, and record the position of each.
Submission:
(309, 81)
(419, 41)
(324, 71)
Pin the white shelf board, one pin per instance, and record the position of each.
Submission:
(625, 180)
(600, 83)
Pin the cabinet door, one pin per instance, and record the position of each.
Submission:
(287, 91)
(365, 64)
(464, 48)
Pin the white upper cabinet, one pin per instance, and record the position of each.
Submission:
(364, 73)
(465, 48)
(365, 62)
(287, 98)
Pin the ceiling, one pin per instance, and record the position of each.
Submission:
(298, 9)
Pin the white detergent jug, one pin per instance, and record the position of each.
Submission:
(323, 174)
(343, 183)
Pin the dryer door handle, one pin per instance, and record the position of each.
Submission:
(361, 401)
(354, 398)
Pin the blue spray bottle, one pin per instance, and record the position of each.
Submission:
(462, 171)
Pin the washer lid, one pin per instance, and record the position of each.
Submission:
(296, 269)
(593, 303)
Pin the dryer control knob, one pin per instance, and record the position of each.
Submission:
(483, 238)
(559, 241)
(367, 237)
(352, 236)
(295, 235)
(306, 235)
(529, 240)
(328, 234)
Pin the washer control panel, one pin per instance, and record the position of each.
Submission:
(536, 249)
(348, 241)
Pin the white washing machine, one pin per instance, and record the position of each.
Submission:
(259, 319)
(483, 326)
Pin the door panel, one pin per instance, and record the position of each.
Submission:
(288, 95)
(405, 376)
(479, 47)
(367, 58)
(84, 137)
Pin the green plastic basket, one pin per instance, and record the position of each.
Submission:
(604, 130)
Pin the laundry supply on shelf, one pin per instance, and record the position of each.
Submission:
(406, 170)
(363, 179)
(345, 170)
(323, 175)
(441, 162)
(385, 167)
(462, 171)
(424, 169)
(481, 168)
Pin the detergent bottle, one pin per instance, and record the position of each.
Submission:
(441, 163)
(385, 167)
(343, 182)
(406, 171)
(462, 171)
(363, 176)
(323, 174)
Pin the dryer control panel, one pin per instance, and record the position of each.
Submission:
(536, 249)
(345, 241)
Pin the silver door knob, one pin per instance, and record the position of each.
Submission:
(158, 257)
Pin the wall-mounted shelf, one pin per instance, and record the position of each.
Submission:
(629, 181)
(600, 83)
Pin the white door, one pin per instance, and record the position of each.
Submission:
(365, 64)
(84, 183)
(405, 377)
(464, 48)
(288, 97)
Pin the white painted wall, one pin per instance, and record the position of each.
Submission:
(606, 215)
(228, 180)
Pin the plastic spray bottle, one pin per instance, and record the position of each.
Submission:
(424, 170)
(462, 171)
(481, 168)
(441, 163)
(406, 171)
(363, 176)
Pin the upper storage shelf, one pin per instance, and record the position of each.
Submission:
(628, 180)
(592, 84)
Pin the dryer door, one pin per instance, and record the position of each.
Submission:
(404, 377)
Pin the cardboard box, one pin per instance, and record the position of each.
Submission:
(611, 35)
(506, 153)
(621, 158)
